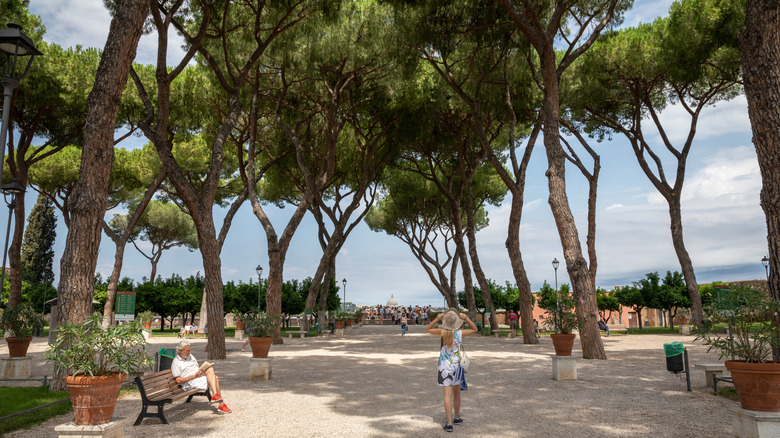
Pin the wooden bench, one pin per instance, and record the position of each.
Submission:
(303, 333)
(159, 389)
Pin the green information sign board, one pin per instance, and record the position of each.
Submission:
(724, 298)
(124, 308)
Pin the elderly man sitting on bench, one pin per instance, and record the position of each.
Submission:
(189, 375)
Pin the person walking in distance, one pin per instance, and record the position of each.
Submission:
(449, 360)
(403, 324)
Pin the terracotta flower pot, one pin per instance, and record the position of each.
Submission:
(240, 325)
(148, 325)
(349, 323)
(17, 347)
(339, 324)
(260, 346)
(757, 384)
(94, 398)
(563, 344)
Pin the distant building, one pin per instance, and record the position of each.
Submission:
(392, 302)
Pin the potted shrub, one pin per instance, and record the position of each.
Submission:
(359, 316)
(97, 362)
(146, 319)
(261, 328)
(237, 316)
(751, 315)
(20, 321)
(560, 315)
(341, 319)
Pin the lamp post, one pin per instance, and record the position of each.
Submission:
(13, 44)
(344, 282)
(45, 287)
(259, 270)
(765, 262)
(555, 264)
(14, 190)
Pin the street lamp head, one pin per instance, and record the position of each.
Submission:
(555, 263)
(259, 270)
(765, 261)
(14, 190)
(13, 44)
(344, 282)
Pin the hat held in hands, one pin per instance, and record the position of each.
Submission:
(451, 320)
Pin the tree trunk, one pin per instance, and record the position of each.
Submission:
(760, 52)
(590, 239)
(273, 292)
(526, 298)
(686, 265)
(474, 255)
(576, 266)
(212, 268)
(15, 253)
(108, 308)
(90, 196)
(89, 200)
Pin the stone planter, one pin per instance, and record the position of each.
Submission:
(757, 384)
(260, 346)
(94, 398)
(563, 344)
(17, 347)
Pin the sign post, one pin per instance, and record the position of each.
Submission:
(124, 310)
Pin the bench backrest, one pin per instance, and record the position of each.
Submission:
(158, 386)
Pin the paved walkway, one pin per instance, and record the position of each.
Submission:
(376, 383)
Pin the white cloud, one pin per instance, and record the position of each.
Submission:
(645, 11)
(86, 23)
(614, 207)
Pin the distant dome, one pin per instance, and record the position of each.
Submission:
(392, 302)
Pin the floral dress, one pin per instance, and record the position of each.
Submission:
(449, 361)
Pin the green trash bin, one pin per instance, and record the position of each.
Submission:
(166, 358)
(674, 356)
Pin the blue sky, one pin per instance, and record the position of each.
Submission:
(725, 229)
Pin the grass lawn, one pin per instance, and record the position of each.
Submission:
(14, 400)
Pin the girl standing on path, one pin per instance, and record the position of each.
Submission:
(403, 324)
(449, 359)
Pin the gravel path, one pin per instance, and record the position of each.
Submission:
(377, 383)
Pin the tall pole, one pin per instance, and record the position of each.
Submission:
(765, 262)
(259, 270)
(9, 85)
(344, 306)
(45, 286)
(11, 206)
(555, 264)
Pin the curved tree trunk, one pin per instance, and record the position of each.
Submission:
(474, 255)
(89, 200)
(760, 54)
(468, 283)
(686, 265)
(526, 298)
(15, 253)
(576, 266)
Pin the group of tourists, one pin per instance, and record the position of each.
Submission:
(416, 315)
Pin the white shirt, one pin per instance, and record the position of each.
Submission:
(185, 368)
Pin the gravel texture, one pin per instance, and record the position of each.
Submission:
(377, 383)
